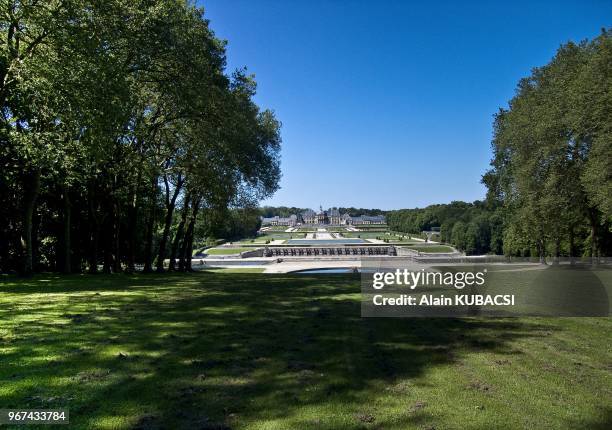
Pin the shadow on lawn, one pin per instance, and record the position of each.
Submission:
(217, 351)
(602, 423)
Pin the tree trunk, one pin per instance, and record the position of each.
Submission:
(31, 190)
(187, 246)
(66, 254)
(572, 245)
(189, 252)
(116, 238)
(148, 255)
(148, 263)
(183, 252)
(131, 231)
(132, 224)
(557, 251)
(170, 204)
(541, 249)
(107, 267)
(179, 234)
(93, 253)
(97, 221)
(594, 236)
(131, 237)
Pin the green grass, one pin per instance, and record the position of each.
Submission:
(248, 351)
(394, 238)
(262, 239)
(363, 235)
(283, 236)
(431, 248)
(226, 251)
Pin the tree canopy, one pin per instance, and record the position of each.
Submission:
(114, 114)
(552, 164)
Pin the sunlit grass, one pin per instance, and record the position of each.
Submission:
(226, 251)
(431, 248)
(248, 351)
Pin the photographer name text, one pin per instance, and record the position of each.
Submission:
(441, 300)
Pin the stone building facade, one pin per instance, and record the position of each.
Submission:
(331, 216)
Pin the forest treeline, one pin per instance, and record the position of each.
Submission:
(550, 182)
(120, 127)
(476, 228)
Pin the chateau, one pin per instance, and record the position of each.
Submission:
(331, 216)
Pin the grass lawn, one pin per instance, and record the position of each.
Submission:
(247, 351)
(364, 235)
(226, 251)
(431, 248)
(253, 242)
(285, 236)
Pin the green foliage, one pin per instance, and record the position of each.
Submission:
(471, 227)
(114, 113)
(552, 165)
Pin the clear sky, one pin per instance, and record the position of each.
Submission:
(389, 104)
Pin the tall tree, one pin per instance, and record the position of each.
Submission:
(551, 168)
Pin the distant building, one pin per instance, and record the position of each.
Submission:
(367, 219)
(346, 219)
(276, 220)
(331, 216)
(334, 216)
(309, 217)
(322, 217)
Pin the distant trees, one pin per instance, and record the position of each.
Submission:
(352, 211)
(281, 211)
(229, 224)
(471, 227)
(552, 165)
(284, 211)
(114, 117)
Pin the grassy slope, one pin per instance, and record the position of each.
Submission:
(226, 251)
(431, 248)
(283, 352)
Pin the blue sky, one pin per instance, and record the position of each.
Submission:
(389, 104)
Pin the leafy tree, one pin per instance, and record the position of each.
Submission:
(112, 114)
(551, 167)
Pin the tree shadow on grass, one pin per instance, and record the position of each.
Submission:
(603, 422)
(213, 350)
